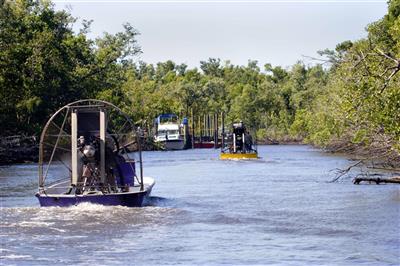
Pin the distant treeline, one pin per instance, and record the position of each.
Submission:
(350, 97)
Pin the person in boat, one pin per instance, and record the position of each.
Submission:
(248, 141)
(230, 147)
(89, 161)
(229, 142)
(238, 131)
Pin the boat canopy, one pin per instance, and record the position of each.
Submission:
(166, 118)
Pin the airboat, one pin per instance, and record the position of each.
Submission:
(88, 152)
(238, 144)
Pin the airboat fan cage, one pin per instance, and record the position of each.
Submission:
(86, 131)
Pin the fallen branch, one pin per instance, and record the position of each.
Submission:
(342, 172)
(377, 180)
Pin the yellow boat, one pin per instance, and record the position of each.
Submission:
(238, 145)
(238, 156)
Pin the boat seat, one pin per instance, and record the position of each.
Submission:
(126, 172)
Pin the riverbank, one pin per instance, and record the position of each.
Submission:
(379, 153)
(281, 141)
(18, 149)
(22, 149)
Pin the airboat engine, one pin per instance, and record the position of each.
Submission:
(88, 147)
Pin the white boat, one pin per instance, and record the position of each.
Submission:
(169, 132)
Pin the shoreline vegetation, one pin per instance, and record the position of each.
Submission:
(25, 150)
(347, 102)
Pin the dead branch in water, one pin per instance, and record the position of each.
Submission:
(342, 172)
(377, 180)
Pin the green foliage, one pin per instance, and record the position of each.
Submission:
(44, 65)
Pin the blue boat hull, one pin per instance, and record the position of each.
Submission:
(134, 199)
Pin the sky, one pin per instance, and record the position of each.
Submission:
(269, 31)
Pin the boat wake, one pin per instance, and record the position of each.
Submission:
(83, 218)
(86, 223)
(157, 202)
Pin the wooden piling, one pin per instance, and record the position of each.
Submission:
(222, 130)
(215, 130)
(201, 129)
(192, 128)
